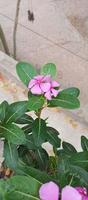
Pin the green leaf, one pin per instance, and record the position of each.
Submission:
(35, 103)
(49, 69)
(80, 173)
(80, 159)
(30, 142)
(3, 189)
(39, 131)
(26, 188)
(84, 143)
(42, 158)
(62, 171)
(72, 91)
(25, 119)
(25, 72)
(65, 101)
(13, 134)
(10, 155)
(53, 138)
(3, 110)
(27, 129)
(68, 148)
(41, 176)
(15, 111)
(53, 130)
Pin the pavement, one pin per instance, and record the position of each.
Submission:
(59, 34)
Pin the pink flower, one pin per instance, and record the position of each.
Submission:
(83, 192)
(70, 193)
(44, 85)
(50, 191)
(39, 84)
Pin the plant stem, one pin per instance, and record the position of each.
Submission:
(15, 28)
(4, 42)
(71, 180)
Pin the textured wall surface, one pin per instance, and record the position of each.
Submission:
(58, 34)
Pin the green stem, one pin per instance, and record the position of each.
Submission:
(71, 180)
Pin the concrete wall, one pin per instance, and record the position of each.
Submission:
(58, 34)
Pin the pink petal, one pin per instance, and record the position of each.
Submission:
(39, 77)
(36, 89)
(81, 190)
(49, 191)
(48, 95)
(45, 87)
(31, 83)
(54, 92)
(85, 197)
(70, 193)
(55, 84)
(47, 78)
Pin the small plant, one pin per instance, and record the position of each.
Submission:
(36, 175)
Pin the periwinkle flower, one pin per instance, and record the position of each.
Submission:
(44, 85)
(51, 191)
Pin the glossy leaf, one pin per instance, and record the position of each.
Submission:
(13, 134)
(24, 188)
(65, 101)
(39, 131)
(49, 69)
(72, 91)
(41, 176)
(53, 138)
(30, 142)
(3, 110)
(84, 143)
(42, 158)
(10, 155)
(15, 111)
(25, 72)
(80, 159)
(25, 119)
(79, 172)
(35, 103)
(68, 148)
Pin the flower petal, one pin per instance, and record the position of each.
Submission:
(39, 77)
(31, 83)
(55, 84)
(49, 191)
(81, 190)
(48, 95)
(85, 197)
(45, 87)
(70, 193)
(47, 78)
(36, 89)
(54, 92)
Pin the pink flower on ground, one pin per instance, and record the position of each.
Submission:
(83, 192)
(44, 85)
(49, 191)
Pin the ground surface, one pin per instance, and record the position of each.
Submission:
(70, 126)
(58, 34)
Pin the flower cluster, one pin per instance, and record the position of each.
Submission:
(44, 85)
(50, 191)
